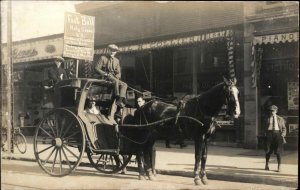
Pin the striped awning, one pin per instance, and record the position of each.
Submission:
(276, 38)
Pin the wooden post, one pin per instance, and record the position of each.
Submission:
(77, 65)
(7, 85)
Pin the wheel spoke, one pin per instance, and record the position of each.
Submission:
(61, 129)
(68, 162)
(70, 151)
(57, 123)
(49, 156)
(72, 135)
(54, 162)
(46, 132)
(67, 130)
(99, 159)
(51, 124)
(45, 149)
(60, 160)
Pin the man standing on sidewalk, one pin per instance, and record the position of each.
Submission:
(274, 136)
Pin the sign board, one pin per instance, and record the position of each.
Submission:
(276, 38)
(34, 51)
(293, 95)
(172, 42)
(79, 36)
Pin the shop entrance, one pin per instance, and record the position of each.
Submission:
(279, 85)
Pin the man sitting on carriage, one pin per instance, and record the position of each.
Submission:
(108, 67)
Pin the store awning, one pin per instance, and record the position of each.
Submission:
(172, 42)
(276, 38)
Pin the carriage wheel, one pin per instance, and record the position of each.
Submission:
(108, 163)
(59, 142)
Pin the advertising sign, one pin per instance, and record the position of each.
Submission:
(293, 95)
(79, 36)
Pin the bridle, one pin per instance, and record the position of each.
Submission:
(231, 99)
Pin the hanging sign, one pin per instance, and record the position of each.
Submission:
(293, 95)
(79, 36)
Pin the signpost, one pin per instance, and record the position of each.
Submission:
(79, 35)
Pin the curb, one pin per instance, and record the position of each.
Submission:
(220, 176)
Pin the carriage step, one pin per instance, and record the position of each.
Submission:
(107, 151)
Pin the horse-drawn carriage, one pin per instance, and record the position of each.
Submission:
(67, 132)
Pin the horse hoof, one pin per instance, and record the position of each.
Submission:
(204, 180)
(151, 177)
(142, 177)
(124, 171)
(197, 181)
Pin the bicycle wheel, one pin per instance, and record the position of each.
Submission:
(20, 142)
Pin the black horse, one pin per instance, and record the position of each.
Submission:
(204, 108)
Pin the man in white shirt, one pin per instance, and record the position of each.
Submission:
(275, 131)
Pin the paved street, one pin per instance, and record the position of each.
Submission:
(27, 175)
(224, 163)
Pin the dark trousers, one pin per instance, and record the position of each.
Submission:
(120, 87)
(274, 144)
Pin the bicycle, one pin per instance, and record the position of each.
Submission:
(19, 139)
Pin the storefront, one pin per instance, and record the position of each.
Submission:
(272, 38)
(277, 75)
(173, 68)
(175, 52)
(31, 61)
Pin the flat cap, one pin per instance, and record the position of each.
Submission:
(113, 47)
(59, 58)
(273, 107)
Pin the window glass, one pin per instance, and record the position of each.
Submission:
(183, 61)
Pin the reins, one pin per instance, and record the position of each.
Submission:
(153, 124)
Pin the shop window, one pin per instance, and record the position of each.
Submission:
(183, 62)
(214, 57)
(163, 72)
(127, 64)
(142, 71)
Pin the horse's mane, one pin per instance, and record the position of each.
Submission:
(210, 93)
(207, 103)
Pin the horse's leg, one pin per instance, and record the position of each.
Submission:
(139, 159)
(197, 140)
(203, 162)
(148, 161)
(153, 157)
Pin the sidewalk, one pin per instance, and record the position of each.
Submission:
(223, 163)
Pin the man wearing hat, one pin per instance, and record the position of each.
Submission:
(108, 67)
(275, 131)
(57, 73)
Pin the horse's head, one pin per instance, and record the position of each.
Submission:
(232, 97)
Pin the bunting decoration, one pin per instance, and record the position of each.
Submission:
(88, 69)
(230, 48)
(256, 64)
